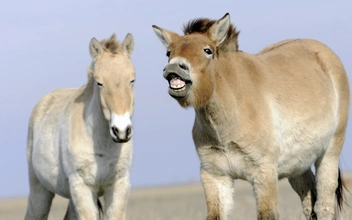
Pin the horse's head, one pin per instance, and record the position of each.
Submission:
(192, 58)
(114, 75)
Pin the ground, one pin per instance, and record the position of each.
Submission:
(184, 202)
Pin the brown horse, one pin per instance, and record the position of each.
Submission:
(261, 117)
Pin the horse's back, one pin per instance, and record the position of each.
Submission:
(292, 75)
(323, 66)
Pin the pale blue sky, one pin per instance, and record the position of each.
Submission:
(44, 45)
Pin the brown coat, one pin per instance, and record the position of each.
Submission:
(261, 117)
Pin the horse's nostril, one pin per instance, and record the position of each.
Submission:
(128, 130)
(115, 131)
(183, 66)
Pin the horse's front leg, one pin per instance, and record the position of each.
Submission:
(85, 202)
(116, 198)
(218, 191)
(265, 185)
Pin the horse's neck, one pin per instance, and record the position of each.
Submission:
(94, 120)
(215, 119)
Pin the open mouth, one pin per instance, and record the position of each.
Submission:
(178, 87)
(176, 83)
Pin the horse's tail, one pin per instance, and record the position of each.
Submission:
(100, 208)
(340, 191)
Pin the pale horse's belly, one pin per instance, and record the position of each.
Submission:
(47, 161)
(300, 149)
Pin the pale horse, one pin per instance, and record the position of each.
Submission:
(79, 140)
(261, 117)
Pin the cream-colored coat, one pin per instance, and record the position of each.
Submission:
(73, 147)
(261, 117)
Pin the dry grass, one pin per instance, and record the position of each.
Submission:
(183, 203)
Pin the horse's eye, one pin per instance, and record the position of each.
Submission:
(208, 51)
(168, 53)
(132, 81)
(99, 84)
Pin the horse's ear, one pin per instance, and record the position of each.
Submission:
(218, 31)
(166, 37)
(128, 44)
(95, 49)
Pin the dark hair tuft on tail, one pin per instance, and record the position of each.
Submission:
(340, 191)
(100, 207)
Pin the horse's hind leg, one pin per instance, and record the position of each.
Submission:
(39, 201)
(304, 186)
(71, 212)
(328, 181)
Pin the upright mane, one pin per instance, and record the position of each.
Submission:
(202, 25)
(111, 45)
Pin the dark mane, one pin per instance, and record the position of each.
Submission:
(111, 45)
(202, 25)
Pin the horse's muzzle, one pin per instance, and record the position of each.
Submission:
(179, 78)
(121, 135)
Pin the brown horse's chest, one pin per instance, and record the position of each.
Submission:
(230, 159)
